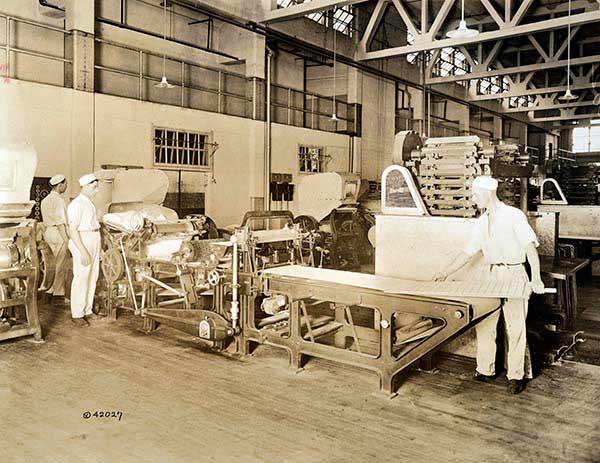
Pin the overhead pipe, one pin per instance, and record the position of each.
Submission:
(235, 305)
(268, 148)
(159, 36)
(50, 5)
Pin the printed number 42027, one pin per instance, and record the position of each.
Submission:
(103, 414)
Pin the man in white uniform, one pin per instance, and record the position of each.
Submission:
(54, 214)
(85, 248)
(505, 238)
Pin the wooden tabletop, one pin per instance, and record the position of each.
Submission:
(561, 267)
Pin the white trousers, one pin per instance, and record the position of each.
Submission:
(59, 249)
(84, 277)
(515, 314)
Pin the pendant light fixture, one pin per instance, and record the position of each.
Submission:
(568, 96)
(334, 117)
(462, 32)
(164, 83)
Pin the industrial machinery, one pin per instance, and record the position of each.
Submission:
(263, 295)
(328, 204)
(18, 248)
(446, 167)
(146, 248)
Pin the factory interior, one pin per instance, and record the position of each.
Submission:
(232, 231)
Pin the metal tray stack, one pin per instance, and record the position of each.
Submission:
(580, 184)
(445, 172)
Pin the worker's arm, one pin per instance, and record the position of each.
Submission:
(76, 238)
(459, 262)
(534, 263)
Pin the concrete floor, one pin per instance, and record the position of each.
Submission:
(182, 403)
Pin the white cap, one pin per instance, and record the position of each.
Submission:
(89, 178)
(485, 183)
(56, 179)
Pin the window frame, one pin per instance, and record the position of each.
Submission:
(187, 167)
(322, 158)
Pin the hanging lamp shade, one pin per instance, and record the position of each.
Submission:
(164, 83)
(568, 96)
(462, 31)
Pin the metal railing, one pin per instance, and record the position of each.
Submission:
(310, 110)
(186, 68)
(8, 49)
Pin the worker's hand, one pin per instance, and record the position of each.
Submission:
(537, 285)
(85, 259)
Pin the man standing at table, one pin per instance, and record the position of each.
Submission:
(506, 239)
(85, 248)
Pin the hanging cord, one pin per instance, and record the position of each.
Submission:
(568, 49)
(334, 59)
(164, 37)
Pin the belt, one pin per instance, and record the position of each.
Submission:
(90, 231)
(506, 265)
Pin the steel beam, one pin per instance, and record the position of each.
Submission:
(303, 9)
(374, 20)
(493, 13)
(525, 109)
(567, 118)
(506, 32)
(514, 70)
(523, 91)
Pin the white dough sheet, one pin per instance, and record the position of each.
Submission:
(483, 296)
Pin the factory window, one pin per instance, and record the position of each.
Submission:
(586, 139)
(180, 149)
(310, 159)
(341, 19)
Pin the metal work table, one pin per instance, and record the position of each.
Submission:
(564, 270)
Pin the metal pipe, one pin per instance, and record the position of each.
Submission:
(179, 300)
(267, 163)
(129, 279)
(235, 307)
(50, 5)
(7, 58)
(154, 34)
(141, 74)
(161, 284)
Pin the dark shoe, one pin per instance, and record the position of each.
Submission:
(516, 386)
(484, 378)
(80, 322)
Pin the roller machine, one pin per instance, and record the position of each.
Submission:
(18, 245)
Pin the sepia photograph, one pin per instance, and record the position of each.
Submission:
(300, 231)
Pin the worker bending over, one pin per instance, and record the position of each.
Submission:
(505, 238)
(85, 248)
(54, 214)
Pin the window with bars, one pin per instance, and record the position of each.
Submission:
(179, 149)
(586, 139)
(343, 16)
(311, 159)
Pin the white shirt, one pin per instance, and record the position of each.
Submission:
(82, 214)
(54, 210)
(506, 240)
